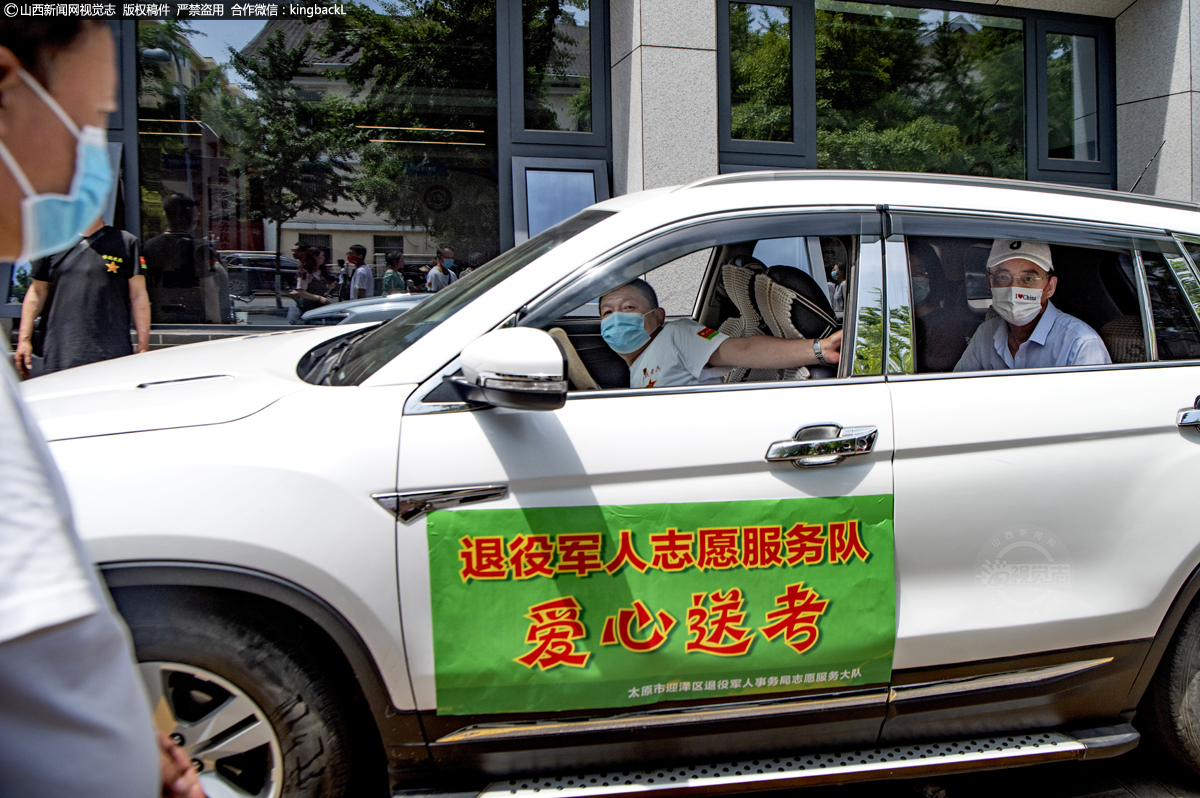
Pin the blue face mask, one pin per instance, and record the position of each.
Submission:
(54, 222)
(449, 263)
(625, 332)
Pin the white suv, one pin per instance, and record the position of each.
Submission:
(457, 550)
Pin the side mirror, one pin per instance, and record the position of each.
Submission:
(517, 367)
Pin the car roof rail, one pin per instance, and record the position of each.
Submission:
(939, 179)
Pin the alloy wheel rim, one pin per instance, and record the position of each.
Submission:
(225, 733)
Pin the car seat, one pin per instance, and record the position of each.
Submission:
(781, 301)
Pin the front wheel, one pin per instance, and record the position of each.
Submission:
(251, 711)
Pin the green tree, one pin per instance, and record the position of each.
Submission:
(294, 151)
(428, 66)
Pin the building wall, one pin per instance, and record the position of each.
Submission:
(1157, 63)
(665, 111)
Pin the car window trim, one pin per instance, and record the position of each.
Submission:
(1112, 228)
(956, 375)
(1147, 310)
(1183, 262)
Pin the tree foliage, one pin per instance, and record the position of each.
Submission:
(894, 92)
(294, 151)
(760, 73)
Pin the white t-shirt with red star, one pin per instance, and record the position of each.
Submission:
(678, 355)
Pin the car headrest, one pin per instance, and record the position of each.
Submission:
(738, 279)
(793, 305)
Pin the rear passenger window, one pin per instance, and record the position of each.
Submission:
(1176, 331)
(1093, 287)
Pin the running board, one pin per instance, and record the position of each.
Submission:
(780, 773)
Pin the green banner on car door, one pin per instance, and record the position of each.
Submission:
(560, 608)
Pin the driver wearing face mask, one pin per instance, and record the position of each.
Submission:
(685, 352)
(1028, 331)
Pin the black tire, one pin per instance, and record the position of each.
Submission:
(1170, 710)
(314, 736)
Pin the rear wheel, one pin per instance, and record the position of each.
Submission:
(1170, 711)
(252, 712)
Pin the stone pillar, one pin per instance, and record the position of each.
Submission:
(1157, 54)
(664, 90)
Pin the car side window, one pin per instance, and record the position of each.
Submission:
(711, 285)
(1093, 291)
(1176, 332)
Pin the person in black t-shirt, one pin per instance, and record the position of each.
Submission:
(92, 294)
(181, 270)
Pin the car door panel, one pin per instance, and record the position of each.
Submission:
(628, 449)
(1036, 511)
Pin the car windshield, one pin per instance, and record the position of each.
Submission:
(367, 355)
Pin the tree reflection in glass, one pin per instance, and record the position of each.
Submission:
(760, 72)
(557, 52)
(919, 90)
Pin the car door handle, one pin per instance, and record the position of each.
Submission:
(823, 445)
(408, 507)
(1189, 416)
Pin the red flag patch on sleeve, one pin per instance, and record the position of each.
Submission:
(708, 333)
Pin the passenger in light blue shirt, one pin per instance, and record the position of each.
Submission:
(1028, 331)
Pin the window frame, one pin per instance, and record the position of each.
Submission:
(739, 155)
(694, 235)
(521, 164)
(518, 133)
(1037, 132)
(803, 145)
(1065, 232)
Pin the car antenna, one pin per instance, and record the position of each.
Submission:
(1143, 174)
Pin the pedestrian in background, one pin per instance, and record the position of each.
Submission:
(393, 278)
(362, 282)
(74, 719)
(90, 295)
(440, 275)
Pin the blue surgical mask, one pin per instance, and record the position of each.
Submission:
(54, 222)
(449, 263)
(624, 332)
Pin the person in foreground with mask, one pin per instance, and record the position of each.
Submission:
(685, 352)
(1028, 331)
(74, 718)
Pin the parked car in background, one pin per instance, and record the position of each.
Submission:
(498, 568)
(376, 308)
(254, 272)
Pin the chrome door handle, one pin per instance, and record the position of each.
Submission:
(1189, 416)
(823, 445)
(408, 507)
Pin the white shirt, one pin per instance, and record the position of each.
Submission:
(677, 356)
(1059, 339)
(437, 280)
(42, 581)
(363, 279)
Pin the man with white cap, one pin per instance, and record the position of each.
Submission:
(1028, 331)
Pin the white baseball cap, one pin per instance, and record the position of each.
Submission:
(1004, 249)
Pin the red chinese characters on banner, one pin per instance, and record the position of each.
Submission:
(762, 546)
(844, 543)
(717, 628)
(805, 544)
(626, 554)
(627, 624)
(719, 549)
(553, 629)
(483, 558)
(579, 553)
(531, 555)
(489, 557)
(796, 618)
(672, 550)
